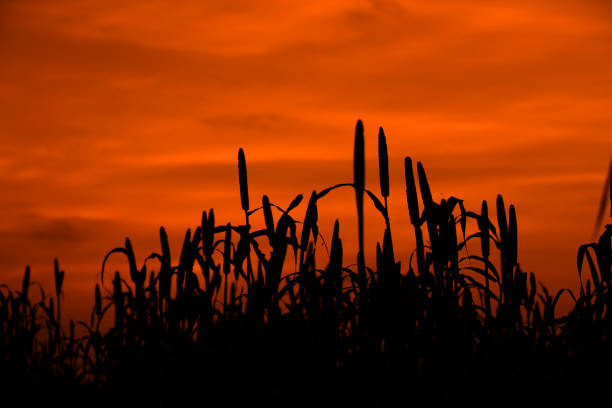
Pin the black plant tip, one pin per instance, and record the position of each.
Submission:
(59, 277)
(267, 210)
(501, 219)
(359, 158)
(424, 186)
(129, 251)
(335, 257)
(242, 177)
(483, 224)
(512, 235)
(163, 238)
(359, 180)
(25, 285)
(388, 248)
(383, 163)
(411, 194)
(227, 249)
(295, 202)
(336, 233)
(310, 222)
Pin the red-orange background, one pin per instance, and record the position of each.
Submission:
(116, 119)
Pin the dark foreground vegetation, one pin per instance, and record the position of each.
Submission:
(247, 315)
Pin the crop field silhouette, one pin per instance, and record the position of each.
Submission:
(245, 313)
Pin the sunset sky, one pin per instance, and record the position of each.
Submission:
(118, 117)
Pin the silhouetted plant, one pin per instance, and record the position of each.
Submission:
(230, 314)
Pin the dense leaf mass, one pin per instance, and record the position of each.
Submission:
(232, 322)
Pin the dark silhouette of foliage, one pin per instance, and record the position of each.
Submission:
(231, 322)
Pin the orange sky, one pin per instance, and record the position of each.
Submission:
(116, 119)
